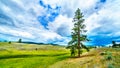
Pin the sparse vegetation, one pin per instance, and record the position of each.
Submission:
(110, 66)
(93, 59)
(109, 56)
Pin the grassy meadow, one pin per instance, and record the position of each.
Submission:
(20, 55)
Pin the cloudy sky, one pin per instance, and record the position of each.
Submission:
(50, 21)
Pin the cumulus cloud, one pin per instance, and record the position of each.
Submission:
(19, 20)
(62, 25)
(50, 21)
(104, 25)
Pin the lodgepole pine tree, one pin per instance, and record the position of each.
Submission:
(78, 32)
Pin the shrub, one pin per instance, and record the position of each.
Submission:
(20, 40)
(109, 57)
(103, 53)
(9, 42)
(110, 66)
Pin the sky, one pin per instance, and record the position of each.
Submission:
(50, 21)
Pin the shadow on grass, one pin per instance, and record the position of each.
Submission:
(89, 55)
(28, 56)
(82, 56)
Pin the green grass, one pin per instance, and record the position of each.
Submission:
(18, 55)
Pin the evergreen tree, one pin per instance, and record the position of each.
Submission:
(9, 42)
(113, 42)
(78, 32)
(20, 40)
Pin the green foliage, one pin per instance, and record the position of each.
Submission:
(20, 40)
(109, 57)
(78, 32)
(9, 42)
(81, 51)
(110, 66)
(115, 45)
(73, 50)
(113, 42)
(5, 40)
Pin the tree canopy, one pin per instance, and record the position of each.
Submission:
(77, 33)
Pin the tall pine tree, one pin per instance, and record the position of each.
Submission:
(78, 32)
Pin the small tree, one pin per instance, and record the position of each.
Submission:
(20, 40)
(5, 40)
(9, 42)
(78, 32)
(113, 42)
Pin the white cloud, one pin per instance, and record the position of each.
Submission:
(14, 32)
(26, 24)
(61, 25)
(24, 15)
(91, 22)
(53, 3)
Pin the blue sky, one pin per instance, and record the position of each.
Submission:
(50, 21)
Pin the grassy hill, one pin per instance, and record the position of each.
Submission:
(97, 58)
(21, 55)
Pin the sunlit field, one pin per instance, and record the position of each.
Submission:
(96, 58)
(20, 55)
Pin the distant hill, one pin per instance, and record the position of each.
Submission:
(35, 43)
(43, 43)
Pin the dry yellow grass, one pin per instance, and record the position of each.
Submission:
(93, 59)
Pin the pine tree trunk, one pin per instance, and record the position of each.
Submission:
(78, 41)
(78, 46)
(78, 52)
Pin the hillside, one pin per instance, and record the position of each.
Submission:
(21, 55)
(97, 58)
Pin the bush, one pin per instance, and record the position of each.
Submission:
(9, 42)
(103, 53)
(109, 57)
(110, 66)
(20, 40)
